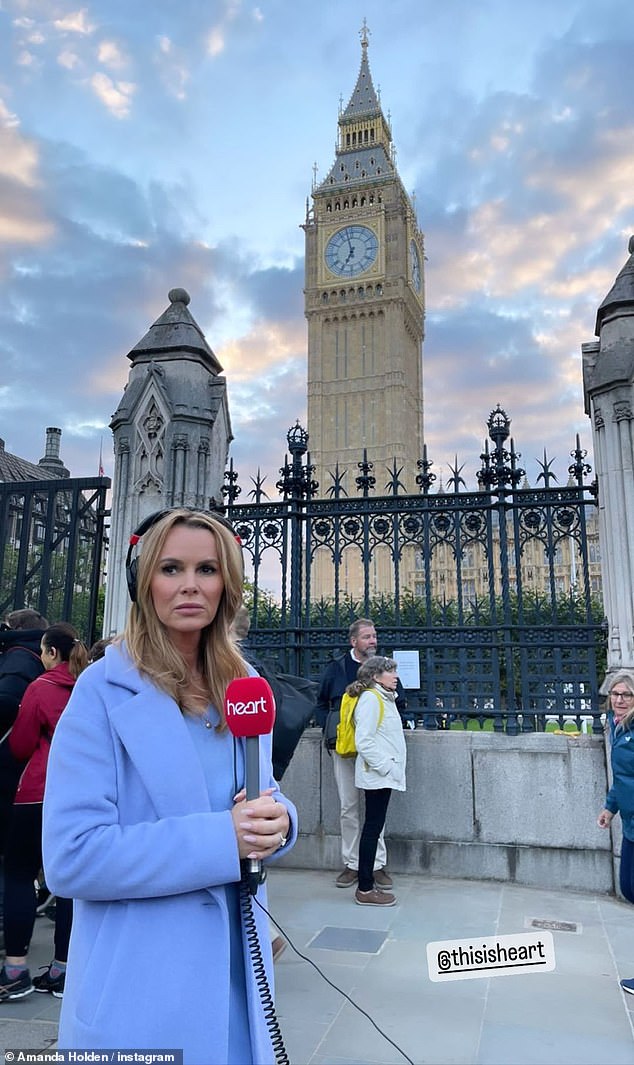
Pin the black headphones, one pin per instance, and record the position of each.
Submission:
(132, 564)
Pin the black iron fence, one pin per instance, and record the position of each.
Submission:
(52, 539)
(496, 592)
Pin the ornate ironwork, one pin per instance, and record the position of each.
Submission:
(230, 488)
(494, 643)
(425, 479)
(52, 541)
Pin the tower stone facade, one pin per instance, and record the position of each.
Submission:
(364, 301)
(608, 381)
(171, 436)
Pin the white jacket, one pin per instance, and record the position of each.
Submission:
(381, 748)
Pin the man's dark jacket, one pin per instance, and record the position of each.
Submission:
(336, 677)
(20, 663)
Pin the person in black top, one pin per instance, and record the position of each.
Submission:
(20, 663)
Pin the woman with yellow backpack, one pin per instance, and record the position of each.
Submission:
(380, 764)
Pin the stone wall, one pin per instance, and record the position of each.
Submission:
(477, 806)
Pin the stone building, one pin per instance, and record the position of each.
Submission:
(50, 466)
(608, 382)
(365, 308)
(364, 299)
(171, 436)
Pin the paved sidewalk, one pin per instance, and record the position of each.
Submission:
(576, 1015)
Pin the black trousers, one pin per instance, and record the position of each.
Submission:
(22, 863)
(626, 869)
(376, 804)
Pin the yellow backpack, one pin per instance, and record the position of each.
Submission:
(346, 746)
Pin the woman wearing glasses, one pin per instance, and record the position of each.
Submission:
(620, 797)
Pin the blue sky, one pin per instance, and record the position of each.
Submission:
(150, 145)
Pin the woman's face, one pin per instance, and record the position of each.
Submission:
(48, 656)
(187, 584)
(621, 700)
(388, 679)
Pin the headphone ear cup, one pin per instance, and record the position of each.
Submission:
(131, 567)
(131, 564)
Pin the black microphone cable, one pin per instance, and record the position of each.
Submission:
(246, 900)
(334, 986)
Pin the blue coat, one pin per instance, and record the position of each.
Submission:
(620, 797)
(128, 833)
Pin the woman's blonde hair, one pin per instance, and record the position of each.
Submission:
(626, 677)
(369, 671)
(146, 639)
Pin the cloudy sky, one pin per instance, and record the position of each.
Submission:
(152, 144)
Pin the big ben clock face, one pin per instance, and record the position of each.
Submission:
(351, 251)
(414, 262)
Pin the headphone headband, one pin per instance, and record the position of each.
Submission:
(131, 564)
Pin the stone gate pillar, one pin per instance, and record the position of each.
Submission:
(171, 436)
(608, 383)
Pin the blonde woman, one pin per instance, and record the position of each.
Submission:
(380, 763)
(146, 821)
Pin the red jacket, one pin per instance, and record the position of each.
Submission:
(40, 710)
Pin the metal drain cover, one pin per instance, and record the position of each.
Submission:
(358, 940)
(553, 926)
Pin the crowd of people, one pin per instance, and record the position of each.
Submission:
(122, 785)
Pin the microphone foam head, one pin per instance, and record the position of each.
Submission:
(249, 707)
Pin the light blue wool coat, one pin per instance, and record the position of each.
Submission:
(128, 833)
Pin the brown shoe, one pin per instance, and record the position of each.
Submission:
(382, 878)
(278, 946)
(347, 878)
(374, 898)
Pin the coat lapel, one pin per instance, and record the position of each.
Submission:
(151, 728)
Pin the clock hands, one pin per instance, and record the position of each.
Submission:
(360, 254)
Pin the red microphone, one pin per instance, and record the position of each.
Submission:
(250, 713)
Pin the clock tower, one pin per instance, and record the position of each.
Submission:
(364, 302)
